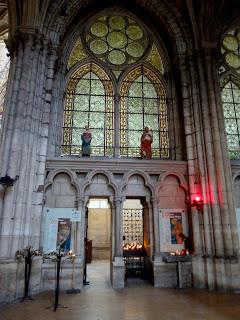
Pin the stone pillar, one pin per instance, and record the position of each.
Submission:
(116, 125)
(223, 209)
(155, 213)
(193, 143)
(118, 275)
(23, 146)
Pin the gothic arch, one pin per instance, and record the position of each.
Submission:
(142, 174)
(178, 175)
(57, 26)
(93, 173)
(72, 175)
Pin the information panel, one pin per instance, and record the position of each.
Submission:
(58, 228)
(172, 225)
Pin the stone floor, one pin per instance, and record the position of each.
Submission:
(139, 301)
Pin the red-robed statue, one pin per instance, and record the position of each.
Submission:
(146, 144)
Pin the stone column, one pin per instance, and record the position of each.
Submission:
(118, 275)
(23, 153)
(116, 125)
(193, 142)
(204, 244)
(155, 219)
(222, 201)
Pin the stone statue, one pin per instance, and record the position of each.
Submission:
(146, 144)
(86, 142)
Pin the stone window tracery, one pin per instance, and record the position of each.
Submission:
(4, 69)
(114, 43)
(230, 83)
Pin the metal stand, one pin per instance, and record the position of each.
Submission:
(59, 256)
(27, 273)
(28, 255)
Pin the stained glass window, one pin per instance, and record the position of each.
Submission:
(143, 104)
(230, 82)
(231, 49)
(113, 43)
(118, 40)
(89, 102)
(231, 109)
(77, 54)
(4, 69)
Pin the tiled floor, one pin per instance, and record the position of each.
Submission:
(139, 301)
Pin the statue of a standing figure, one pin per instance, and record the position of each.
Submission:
(146, 144)
(86, 142)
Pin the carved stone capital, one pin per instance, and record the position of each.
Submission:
(26, 38)
(154, 202)
(117, 201)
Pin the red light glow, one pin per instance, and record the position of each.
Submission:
(198, 198)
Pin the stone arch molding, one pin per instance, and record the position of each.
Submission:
(90, 177)
(131, 173)
(57, 26)
(72, 175)
(235, 175)
(178, 175)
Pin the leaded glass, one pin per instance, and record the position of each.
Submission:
(97, 87)
(134, 120)
(233, 60)
(80, 119)
(99, 29)
(148, 89)
(81, 103)
(98, 46)
(117, 40)
(143, 103)
(134, 105)
(231, 111)
(231, 126)
(154, 59)
(231, 49)
(230, 43)
(151, 106)
(97, 119)
(228, 111)
(116, 57)
(136, 89)
(97, 103)
(83, 86)
(134, 32)
(151, 121)
(77, 54)
(135, 49)
(89, 101)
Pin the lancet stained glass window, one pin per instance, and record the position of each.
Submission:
(231, 109)
(143, 104)
(89, 102)
(229, 73)
(104, 52)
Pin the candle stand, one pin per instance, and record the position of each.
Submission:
(28, 255)
(57, 256)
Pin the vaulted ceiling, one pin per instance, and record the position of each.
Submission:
(3, 20)
(206, 18)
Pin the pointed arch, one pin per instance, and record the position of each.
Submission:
(89, 101)
(143, 104)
